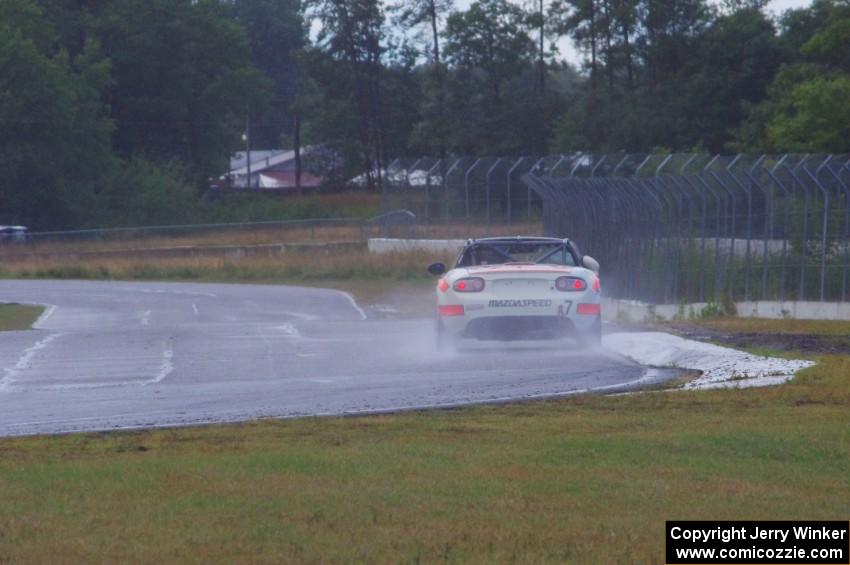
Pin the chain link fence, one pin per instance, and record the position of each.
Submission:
(487, 190)
(683, 228)
(192, 230)
(667, 228)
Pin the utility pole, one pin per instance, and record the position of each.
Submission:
(297, 142)
(248, 149)
(542, 78)
(542, 62)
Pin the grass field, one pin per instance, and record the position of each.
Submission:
(291, 267)
(581, 480)
(766, 326)
(15, 317)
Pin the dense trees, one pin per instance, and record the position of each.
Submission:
(118, 111)
(95, 94)
(55, 133)
(350, 52)
(183, 82)
(807, 107)
(276, 33)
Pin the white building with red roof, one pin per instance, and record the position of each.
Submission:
(269, 170)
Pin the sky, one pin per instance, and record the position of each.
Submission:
(569, 53)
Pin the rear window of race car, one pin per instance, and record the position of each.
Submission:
(521, 252)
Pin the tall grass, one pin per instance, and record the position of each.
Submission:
(251, 207)
(259, 235)
(289, 267)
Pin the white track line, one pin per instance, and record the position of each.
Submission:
(195, 308)
(300, 316)
(12, 372)
(167, 291)
(289, 330)
(44, 315)
(166, 368)
(354, 304)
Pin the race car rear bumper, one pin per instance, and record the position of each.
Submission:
(519, 327)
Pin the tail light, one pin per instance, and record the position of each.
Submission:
(443, 285)
(596, 286)
(473, 284)
(451, 310)
(589, 309)
(570, 284)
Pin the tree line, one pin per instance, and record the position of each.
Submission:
(118, 111)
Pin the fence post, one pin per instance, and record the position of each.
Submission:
(384, 188)
(731, 227)
(786, 218)
(487, 195)
(466, 185)
(747, 256)
(556, 165)
(846, 242)
(407, 171)
(618, 165)
(703, 231)
(446, 187)
(702, 176)
(768, 222)
(596, 166)
(825, 221)
(672, 239)
(805, 234)
(575, 167)
(528, 205)
(654, 226)
(508, 189)
(680, 183)
(428, 190)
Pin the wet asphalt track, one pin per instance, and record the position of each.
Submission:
(112, 355)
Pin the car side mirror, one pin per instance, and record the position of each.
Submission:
(590, 263)
(436, 269)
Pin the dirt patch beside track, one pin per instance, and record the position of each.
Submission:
(806, 343)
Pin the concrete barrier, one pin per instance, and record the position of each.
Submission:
(388, 245)
(635, 311)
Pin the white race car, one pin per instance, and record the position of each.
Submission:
(504, 288)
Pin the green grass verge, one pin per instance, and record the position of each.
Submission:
(775, 326)
(14, 317)
(582, 480)
(332, 264)
(390, 298)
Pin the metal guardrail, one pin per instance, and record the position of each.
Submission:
(141, 232)
(690, 227)
(401, 223)
(395, 220)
